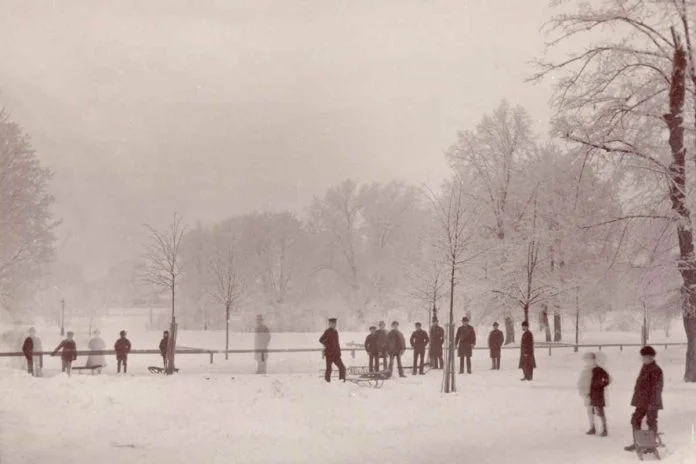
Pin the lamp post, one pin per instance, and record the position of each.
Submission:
(62, 317)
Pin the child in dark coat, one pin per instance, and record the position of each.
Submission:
(647, 394)
(591, 385)
(69, 353)
(372, 349)
(122, 348)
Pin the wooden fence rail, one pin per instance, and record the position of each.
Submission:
(352, 347)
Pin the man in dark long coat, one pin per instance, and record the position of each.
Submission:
(332, 351)
(465, 341)
(647, 394)
(419, 340)
(527, 360)
(262, 338)
(495, 343)
(437, 339)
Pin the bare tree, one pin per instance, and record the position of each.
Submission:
(227, 285)
(611, 99)
(162, 269)
(458, 226)
(26, 223)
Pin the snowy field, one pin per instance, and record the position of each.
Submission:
(223, 413)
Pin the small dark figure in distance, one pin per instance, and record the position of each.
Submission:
(437, 340)
(332, 351)
(647, 394)
(495, 344)
(262, 338)
(163, 346)
(527, 360)
(32, 352)
(419, 340)
(69, 353)
(396, 346)
(465, 340)
(591, 384)
(381, 339)
(122, 347)
(372, 349)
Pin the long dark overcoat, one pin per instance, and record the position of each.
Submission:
(527, 351)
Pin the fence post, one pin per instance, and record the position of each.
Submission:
(599, 347)
(211, 357)
(575, 348)
(549, 350)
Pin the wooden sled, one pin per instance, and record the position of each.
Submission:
(361, 375)
(158, 370)
(647, 442)
(91, 369)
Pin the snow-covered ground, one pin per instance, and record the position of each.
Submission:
(224, 413)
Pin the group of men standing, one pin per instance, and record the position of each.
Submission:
(380, 345)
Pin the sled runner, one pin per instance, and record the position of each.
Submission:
(361, 375)
(92, 369)
(647, 442)
(158, 370)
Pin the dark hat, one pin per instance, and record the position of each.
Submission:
(495, 324)
(435, 321)
(372, 327)
(525, 324)
(394, 323)
(381, 323)
(465, 319)
(122, 333)
(166, 332)
(647, 351)
(332, 319)
(418, 324)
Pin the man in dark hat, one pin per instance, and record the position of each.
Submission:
(437, 339)
(332, 351)
(647, 394)
(465, 341)
(419, 340)
(495, 343)
(396, 346)
(372, 349)
(527, 360)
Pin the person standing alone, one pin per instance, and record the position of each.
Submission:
(32, 352)
(495, 345)
(647, 394)
(527, 360)
(332, 351)
(122, 348)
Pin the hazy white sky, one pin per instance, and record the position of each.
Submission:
(215, 108)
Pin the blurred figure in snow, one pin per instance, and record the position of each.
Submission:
(96, 343)
(381, 341)
(591, 384)
(163, 345)
(69, 353)
(262, 338)
(122, 347)
(372, 349)
(437, 339)
(32, 352)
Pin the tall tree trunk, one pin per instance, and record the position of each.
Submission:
(171, 348)
(557, 332)
(449, 384)
(509, 330)
(525, 309)
(677, 194)
(545, 321)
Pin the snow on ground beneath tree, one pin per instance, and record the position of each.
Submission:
(222, 413)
